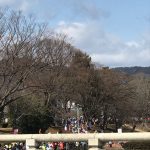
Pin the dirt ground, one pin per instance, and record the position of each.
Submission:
(115, 146)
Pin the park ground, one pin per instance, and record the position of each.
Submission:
(143, 127)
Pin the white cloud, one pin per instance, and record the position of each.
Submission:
(107, 59)
(133, 44)
(6, 2)
(106, 48)
(90, 9)
(23, 5)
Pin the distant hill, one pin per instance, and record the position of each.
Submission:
(133, 70)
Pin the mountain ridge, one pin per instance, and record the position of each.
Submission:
(133, 70)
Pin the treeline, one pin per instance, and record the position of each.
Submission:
(41, 71)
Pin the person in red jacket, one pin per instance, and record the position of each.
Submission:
(61, 145)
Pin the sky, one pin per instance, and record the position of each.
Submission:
(114, 33)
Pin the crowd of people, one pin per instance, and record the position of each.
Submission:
(42, 146)
(71, 125)
(13, 146)
(80, 125)
(52, 146)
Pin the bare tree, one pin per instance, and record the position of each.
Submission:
(117, 95)
(20, 37)
(141, 102)
(57, 54)
(30, 58)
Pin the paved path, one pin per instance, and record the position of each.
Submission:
(130, 127)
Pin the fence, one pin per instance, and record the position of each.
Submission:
(95, 140)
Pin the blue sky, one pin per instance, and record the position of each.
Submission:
(113, 32)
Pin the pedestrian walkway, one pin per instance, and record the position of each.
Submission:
(136, 129)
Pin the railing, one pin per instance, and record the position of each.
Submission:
(95, 140)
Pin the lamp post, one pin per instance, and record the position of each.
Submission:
(78, 117)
